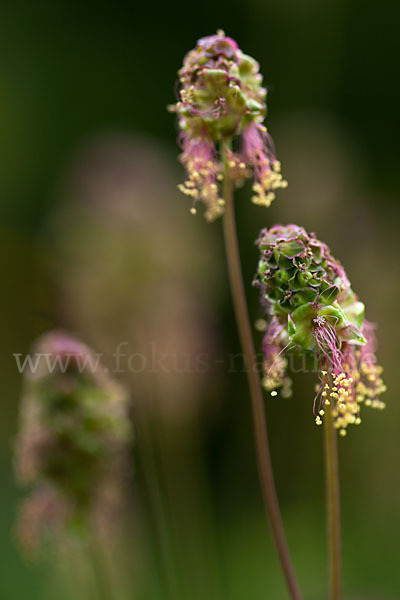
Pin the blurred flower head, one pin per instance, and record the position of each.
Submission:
(125, 278)
(314, 311)
(221, 99)
(74, 433)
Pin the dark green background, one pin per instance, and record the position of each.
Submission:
(72, 70)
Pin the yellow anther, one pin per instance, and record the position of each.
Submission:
(261, 324)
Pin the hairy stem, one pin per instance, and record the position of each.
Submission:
(257, 402)
(333, 508)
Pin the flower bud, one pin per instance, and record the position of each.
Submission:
(314, 312)
(222, 98)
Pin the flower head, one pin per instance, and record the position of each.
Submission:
(314, 311)
(74, 432)
(222, 98)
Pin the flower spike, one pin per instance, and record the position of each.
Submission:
(72, 444)
(314, 312)
(221, 99)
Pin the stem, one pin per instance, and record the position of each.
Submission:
(333, 508)
(103, 587)
(257, 402)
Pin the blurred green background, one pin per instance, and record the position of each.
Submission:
(95, 238)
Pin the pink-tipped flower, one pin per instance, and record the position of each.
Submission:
(275, 361)
(222, 98)
(73, 438)
(315, 313)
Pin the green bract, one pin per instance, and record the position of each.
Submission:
(221, 89)
(303, 281)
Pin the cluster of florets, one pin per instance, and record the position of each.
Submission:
(314, 312)
(72, 443)
(221, 98)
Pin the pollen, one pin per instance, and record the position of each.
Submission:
(261, 324)
(202, 170)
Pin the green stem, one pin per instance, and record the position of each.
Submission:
(257, 401)
(103, 586)
(333, 508)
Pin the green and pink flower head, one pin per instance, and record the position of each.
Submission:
(73, 436)
(221, 100)
(314, 312)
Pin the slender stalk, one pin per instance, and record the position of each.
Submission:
(101, 580)
(333, 508)
(256, 394)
